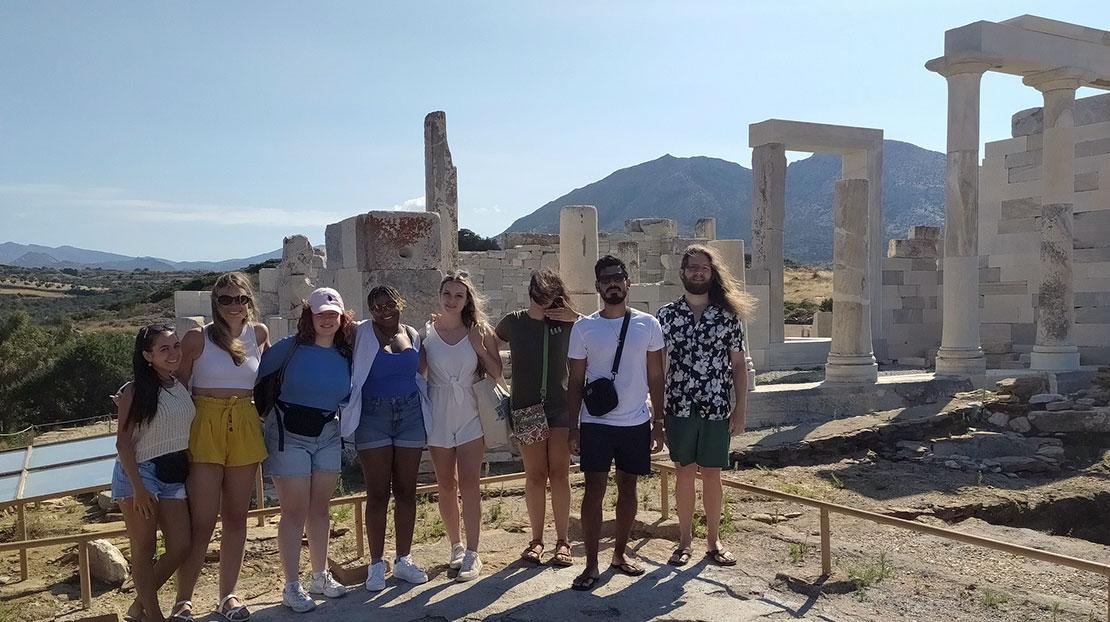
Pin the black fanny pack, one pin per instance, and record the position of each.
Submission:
(302, 420)
(172, 468)
(600, 395)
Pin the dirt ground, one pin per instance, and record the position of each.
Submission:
(880, 573)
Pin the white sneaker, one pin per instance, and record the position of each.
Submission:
(324, 583)
(457, 552)
(471, 567)
(375, 579)
(406, 570)
(294, 597)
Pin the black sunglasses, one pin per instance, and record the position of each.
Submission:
(225, 300)
(620, 277)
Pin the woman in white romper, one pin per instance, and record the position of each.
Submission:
(454, 343)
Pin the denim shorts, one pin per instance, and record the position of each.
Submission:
(303, 455)
(122, 488)
(396, 421)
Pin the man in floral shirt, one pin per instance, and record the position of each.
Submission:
(706, 391)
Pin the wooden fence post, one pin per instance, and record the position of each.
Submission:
(664, 494)
(826, 548)
(84, 574)
(359, 515)
(260, 495)
(21, 530)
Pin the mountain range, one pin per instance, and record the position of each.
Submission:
(36, 256)
(687, 189)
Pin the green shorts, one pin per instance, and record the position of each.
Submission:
(698, 440)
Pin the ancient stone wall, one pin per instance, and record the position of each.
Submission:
(911, 295)
(1010, 241)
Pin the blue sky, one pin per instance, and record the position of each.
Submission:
(209, 130)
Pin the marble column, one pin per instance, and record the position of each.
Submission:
(851, 358)
(1054, 349)
(765, 280)
(441, 187)
(960, 351)
(868, 164)
(731, 255)
(578, 254)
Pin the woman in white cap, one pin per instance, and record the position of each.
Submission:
(302, 437)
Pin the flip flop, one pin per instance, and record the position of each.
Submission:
(627, 568)
(530, 554)
(562, 558)
(583, 583)
(721, 557)
(680, 557)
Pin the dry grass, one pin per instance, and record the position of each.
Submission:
(807, 283)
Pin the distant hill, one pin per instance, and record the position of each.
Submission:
(37, 256)
(687, 189)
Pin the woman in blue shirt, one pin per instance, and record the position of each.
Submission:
(302, 437)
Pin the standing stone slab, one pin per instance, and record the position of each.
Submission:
(441, 187)
(706, 228)
(399, 241)
(190, 304)
(578, 254)
(419, 288)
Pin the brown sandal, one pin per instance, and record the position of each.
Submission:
(531, 554)
(562, 556)
(721, 557)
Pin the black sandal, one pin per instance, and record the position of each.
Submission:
(530, 554)
(584, 582)
(627, 568)
(721, 557)
(562, 558)
(680, 557)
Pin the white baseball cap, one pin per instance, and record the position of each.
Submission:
(325, 299)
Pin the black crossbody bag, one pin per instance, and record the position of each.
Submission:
(601, 394)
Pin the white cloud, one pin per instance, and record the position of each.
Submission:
(417, 204)
(116, 202)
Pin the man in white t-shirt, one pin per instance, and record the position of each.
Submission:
(627, 434)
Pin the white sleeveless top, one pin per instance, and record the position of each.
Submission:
(451, 370)
(168, 431)
(214, 368)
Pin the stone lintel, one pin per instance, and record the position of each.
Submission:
(813, 137)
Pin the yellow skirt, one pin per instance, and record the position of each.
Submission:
(226, 431)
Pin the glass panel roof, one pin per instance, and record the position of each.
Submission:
(12, 461)
(8, 484)
(60, 453)
(63, 479)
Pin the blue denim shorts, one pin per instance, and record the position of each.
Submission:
(122, 488)
(396, 421)
(303, 455)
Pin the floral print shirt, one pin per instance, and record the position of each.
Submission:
(699, 371)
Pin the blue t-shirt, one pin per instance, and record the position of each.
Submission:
(392, 375)
(316, 377)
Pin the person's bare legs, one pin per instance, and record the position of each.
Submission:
(142, 532)
(685, 493)
(558, 473)
(237, 491)
(535, 486)
(443, 461)
(173, 519)
(406, 469)
(469, 457)
(377, 466)
(596, 483)
(318, 521)
(204, 486)
(711, 497)
(626, 514)
(293, 497)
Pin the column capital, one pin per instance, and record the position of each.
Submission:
(950, 67)
(1061, 78)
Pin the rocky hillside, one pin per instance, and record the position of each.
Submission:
(687, 189)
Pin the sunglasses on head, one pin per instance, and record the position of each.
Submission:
(225, 300)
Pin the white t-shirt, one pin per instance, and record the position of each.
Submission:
(594, 338)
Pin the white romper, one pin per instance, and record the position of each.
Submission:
(453, 419)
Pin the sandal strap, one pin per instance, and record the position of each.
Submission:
(223, 601)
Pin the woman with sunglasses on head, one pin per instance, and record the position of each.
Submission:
(457, 344)
(543, 329)
(155, 413)
(385, 420)
(220, 361)
(302, 438)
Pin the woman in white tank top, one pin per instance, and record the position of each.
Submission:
(155, 413)
(220, 362)
(454, 345)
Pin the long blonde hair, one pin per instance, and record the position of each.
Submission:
(219, 331)
(473, 311)
(724, 290)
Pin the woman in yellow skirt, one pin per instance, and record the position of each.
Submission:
(220, 362)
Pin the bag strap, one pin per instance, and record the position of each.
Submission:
(543, 383)
(620, 343)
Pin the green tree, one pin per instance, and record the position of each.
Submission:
(25, 351)
(470, 241)
(78, 383)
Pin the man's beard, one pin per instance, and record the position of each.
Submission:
(696, 288)
(614, 296)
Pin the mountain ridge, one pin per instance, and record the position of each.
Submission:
(39, 256)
